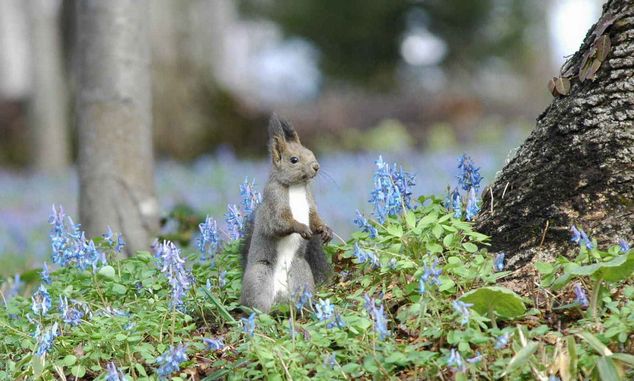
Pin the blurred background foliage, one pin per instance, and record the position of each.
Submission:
(340, 70)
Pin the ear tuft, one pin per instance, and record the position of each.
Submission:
(282, 128)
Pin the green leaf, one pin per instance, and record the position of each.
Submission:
(607, 369)
(470, 247)
(107, 272)
(624, 357)
(572, 354)
(219, 305)
(504, 302)
(427, 220)
(118, 288)
(614, 270)
(395, 230)
(69, 360)
(521, 358)
(410, 219)
(544, 268)
(78, 371)
(595, 343)
(448, 240)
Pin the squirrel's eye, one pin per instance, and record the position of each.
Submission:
(294, 159)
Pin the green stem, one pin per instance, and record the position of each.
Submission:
(494, 323)
(594, 299)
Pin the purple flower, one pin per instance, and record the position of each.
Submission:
(498, 264)
(16, 285)
(214, 344)
(463, 310)
(364, 225)
(624, 246)
(330, 361)
(475, 359)
(580, 295)
(586, 240)
(235, 222)
(455, 361)
(170, 361)
(41, 301)
(113, 373)
(472, 205)
(469, 176)
(171, 264)
(45, 339)
(250, 198)
(248, 325)
(208, 241)
(222, 279)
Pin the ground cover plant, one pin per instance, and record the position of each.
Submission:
(415, 295)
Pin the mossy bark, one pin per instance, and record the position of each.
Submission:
(577, 165)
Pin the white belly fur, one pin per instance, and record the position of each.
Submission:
(287, 247)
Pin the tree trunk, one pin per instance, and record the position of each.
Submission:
(577, 166)
(116, 170)
(49, 108)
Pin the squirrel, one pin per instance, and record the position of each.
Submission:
(282, 253)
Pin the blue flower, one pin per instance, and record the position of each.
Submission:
(171, 264)
(330, 361)
(499, 261)
(235, 222)
(502, 341)
(377, 314)
(45, 339)
(170, 361)
(469, 176)
(364, 225)
(429, 277)
(363, 256)
(208, 241)
(324, 310)
(14, 290)
(552, 377)
(208, 285)
(463, 310)
(113, 373)
(624, 246)
(336, 322)
(455, 361)
(248, 325)
(576, 234)
(392, 190)
(69, 243)
(41, 301)
(250, 198)
(304, 298)
(214, 344)
(70, 315)
(45, 276)
(456, 204)
(475, 359)
(580, 295)
(586, 240)
(222, 279)
(472, 205)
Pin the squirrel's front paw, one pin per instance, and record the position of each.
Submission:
(304, 231)
(325, 231)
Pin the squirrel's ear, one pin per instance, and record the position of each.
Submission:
(277, 146)
(282, 128)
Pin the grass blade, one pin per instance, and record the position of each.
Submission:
(223, 311)
(521, 357)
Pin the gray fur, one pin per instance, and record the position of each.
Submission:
(274, 220)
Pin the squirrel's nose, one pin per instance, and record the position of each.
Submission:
(316, 167)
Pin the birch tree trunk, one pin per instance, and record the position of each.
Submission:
(116, 170)
(577, 166)
(49, 100)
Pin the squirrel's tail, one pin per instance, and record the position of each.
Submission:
(316, 258)
(246, 241)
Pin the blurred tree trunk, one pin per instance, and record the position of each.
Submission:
(116, 169)
(49, 101)
(577, 166)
